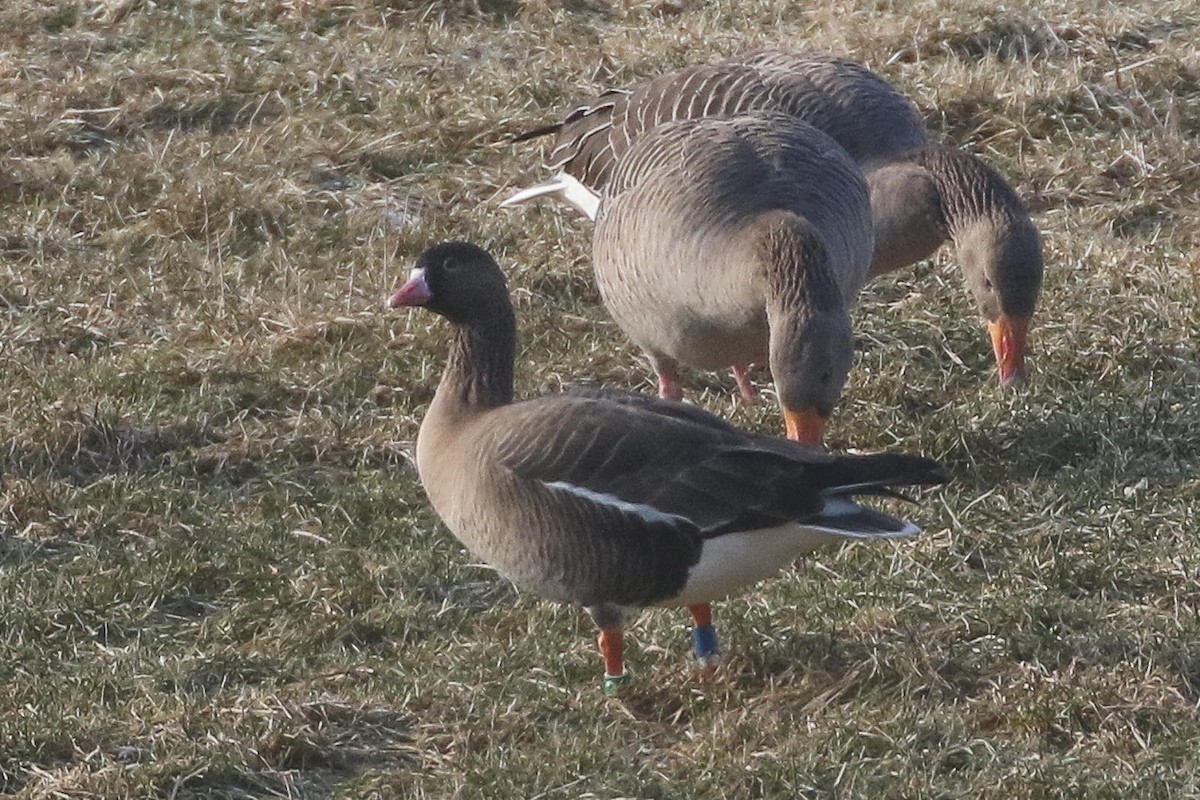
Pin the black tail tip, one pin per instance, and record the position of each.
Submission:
(545, 130)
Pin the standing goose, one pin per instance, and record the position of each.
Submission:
(726, 241)
(922, 193)
(613, 501)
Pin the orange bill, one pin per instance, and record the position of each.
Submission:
(1008, 344)
(805, 426)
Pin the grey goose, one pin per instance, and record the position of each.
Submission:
(730, 241)
(613, 501)
(922, 193)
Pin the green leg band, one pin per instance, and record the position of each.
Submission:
(613, 683)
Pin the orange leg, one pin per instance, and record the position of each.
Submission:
(701, 614)
(669, 388)
(704, 637)
(611, 642)
(668, 382)
(749, 393)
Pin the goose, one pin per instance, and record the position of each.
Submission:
(726, 241)
(614, 501)
(922, 193)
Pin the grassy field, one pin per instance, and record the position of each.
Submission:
(219, 577)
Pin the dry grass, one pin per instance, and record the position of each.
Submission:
(218, 577)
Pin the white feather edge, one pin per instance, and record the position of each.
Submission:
(647, 512)
(571, 190)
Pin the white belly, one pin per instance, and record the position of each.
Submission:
(734, 561)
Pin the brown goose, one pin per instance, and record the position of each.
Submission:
(726, 241)
(610, 500)
(922, 193)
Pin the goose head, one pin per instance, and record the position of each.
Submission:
(810, 359)
(1003, 268)
(457, 280)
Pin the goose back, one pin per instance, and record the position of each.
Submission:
(859, 109)
(677, 248)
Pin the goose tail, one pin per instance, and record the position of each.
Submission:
(874, 475)
(545, 130)
(562, 184)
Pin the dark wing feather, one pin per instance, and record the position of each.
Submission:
(872, 474)
(678, 461)
(743, 488)
(601, 444)
(687, 463)
(603, 554)
(545, 130)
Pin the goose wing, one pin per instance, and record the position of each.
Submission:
(663, 460)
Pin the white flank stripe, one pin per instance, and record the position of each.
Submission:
(648, 513)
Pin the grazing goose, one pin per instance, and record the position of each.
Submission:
(726, 241)
(613, 500)
(922, 193)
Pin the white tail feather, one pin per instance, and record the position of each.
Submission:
(563, 184)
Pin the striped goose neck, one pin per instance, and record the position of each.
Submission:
(796, 265)
(973, 195)
(479, 371)
(997, 243)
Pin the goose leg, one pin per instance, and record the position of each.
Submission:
(668, 378)
(611, 643)
(704, 637)
(749, 393)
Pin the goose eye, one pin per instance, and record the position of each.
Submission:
(987, 284)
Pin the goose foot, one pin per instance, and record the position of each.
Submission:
(668, 385)
(669, 389)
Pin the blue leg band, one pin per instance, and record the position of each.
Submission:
(704, 641)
